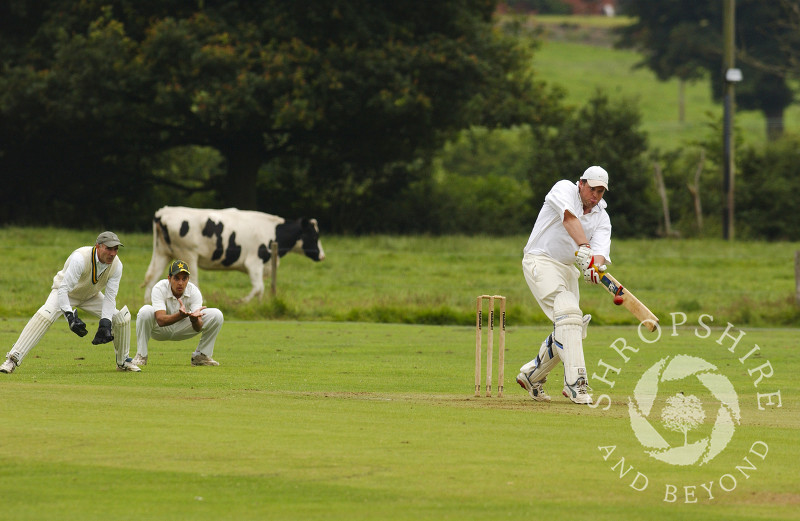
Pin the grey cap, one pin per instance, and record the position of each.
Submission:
(109, 239)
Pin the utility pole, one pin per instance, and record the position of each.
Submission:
(732, 75)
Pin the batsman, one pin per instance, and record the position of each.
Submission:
(88, 272)
(573, 219)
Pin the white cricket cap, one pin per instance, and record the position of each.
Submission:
(596, 176)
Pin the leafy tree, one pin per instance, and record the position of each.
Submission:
(766, 198)
(338, 100)
(602, 132)
(683, 38)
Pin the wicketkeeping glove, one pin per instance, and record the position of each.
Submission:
(103, 335)
(75, 324)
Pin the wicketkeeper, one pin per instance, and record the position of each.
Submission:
(89, 281)
(177, 313)
(573, 218)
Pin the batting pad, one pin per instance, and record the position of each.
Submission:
(121, 325)
(537, 369)
(568, 336)
(34, 330)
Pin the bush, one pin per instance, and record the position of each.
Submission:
(766, 196)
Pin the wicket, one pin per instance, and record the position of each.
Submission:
(490, 344)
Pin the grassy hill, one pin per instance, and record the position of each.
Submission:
(578, 55)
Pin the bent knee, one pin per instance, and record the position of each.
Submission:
(121, 317)
(146, 311)
(566, 303)
(214, 314)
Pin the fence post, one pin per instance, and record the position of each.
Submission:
(273, 259)
(797, 277)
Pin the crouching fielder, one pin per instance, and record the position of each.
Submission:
(573, 218)
(177, 313)
(88, 272)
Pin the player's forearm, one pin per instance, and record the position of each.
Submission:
(167, 320)
(197, 323)
(573, 226)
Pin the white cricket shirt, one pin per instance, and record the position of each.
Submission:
(549, 237)
(81, 278)
(163, 299)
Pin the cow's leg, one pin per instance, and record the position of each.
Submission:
(255, 270)
(157, 267)
(194, 269)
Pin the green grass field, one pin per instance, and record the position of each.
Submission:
(432, 280)
(325, 418)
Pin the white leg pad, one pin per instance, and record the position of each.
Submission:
(121, 325)
(34, 330)
(568, 336)
(537, 369)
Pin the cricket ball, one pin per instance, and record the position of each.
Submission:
(617, 299)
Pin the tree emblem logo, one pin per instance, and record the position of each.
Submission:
(683, 412)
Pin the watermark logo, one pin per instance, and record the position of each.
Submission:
(683, 413)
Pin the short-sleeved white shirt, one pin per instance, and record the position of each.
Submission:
(549, 237)
(163, 299)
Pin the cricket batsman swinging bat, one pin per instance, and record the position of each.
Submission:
(629, 300)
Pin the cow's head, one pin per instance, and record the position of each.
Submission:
(310, 237)
(299, 236)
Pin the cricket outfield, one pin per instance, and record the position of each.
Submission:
(337, 420)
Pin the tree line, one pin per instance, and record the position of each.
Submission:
(370, 116)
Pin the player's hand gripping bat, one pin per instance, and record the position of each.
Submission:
(624, 297)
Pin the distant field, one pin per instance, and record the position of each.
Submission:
(434, 280)
(581, 67)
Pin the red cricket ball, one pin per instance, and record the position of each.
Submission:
(617, 299)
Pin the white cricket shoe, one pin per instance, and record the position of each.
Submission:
(579, 392)
(128, 365)
(201, 359)
(139, 360)
(8, 366)
(536, 390)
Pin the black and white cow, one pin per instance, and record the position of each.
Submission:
(228, 239)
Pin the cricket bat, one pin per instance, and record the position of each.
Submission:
(629, 300)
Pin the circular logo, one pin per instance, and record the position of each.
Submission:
(683, 413)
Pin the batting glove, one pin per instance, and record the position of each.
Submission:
(591, 276)
(103, 335)
(583, 257)
(75, 324)
(593, 273)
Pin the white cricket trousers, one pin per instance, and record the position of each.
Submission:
(547, 278)
(147, 328)
(49, 312)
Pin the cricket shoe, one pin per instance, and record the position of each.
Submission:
(139, 360)
(128, 365)
(8, 366)
(201, 359)
(536, 390)
(578, 392)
